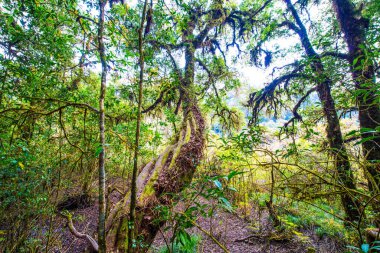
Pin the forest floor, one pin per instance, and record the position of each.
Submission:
(237, 234)
(252, 234)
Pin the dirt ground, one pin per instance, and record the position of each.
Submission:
(238, 235)
(253, 234)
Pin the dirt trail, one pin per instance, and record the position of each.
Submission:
(228, 228)
(239, 236)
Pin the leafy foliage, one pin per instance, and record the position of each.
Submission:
(269, 153)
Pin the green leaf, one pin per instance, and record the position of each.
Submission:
(367, 130)
(218, 183)
(234, 173)
(184, 237)
(365, 248)
(353, 132)
(365, 139)
(355, 61)
(225, 203)
(232, 188)
(98, 151)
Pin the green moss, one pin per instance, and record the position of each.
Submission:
(126, 199)
(184, 137)
(180, 136)
(123, 242)
(194, 123)
(188, 131)
(175, 155)
(176, 151)
(149, 189)
(306, 216)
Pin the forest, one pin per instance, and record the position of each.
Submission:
(180, 126)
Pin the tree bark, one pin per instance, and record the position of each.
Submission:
(363, 73)
(102, 173)
(334, 134)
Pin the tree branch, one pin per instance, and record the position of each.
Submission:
(338, 55)
(290, 25)
(157, 102)
(296, 115)
(257, 100)
(210, 75)
(79, 235)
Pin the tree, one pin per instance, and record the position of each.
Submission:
(102, 172)
(354, 27)
(165, 176)
(127, 96)
(334, 134)
(323, 88)
(133, 202)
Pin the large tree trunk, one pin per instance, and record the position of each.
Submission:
(335, 139)
(363, 74)
(159, 181)
(334, 134)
